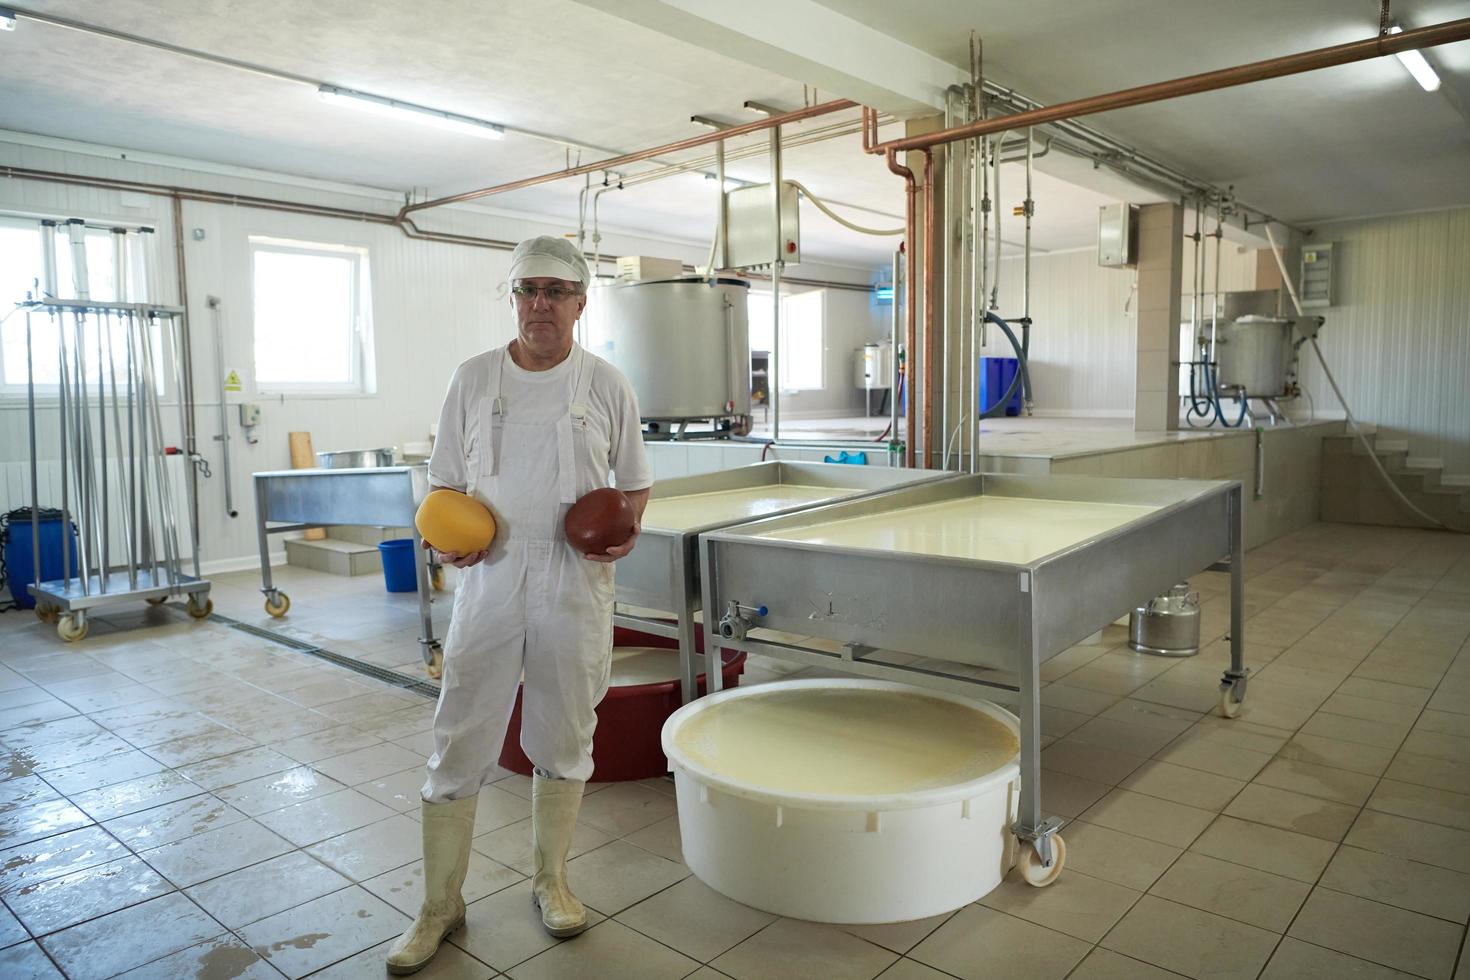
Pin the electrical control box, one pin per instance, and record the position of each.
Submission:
(750, 230)
(632, 268)
(1117, 236)
(249, 414)
(1316, 276)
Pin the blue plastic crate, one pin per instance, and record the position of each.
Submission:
(996, 374)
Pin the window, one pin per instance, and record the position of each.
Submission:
(22, 274)
(803, 336)
(312, 317)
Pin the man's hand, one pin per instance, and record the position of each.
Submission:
(458, 560)
(621, 551)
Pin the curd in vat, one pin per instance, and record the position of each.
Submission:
(697, 509)
(1016, 530)
(846, 742)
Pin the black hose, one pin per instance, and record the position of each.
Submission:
(1213, 376)
(1023, 371)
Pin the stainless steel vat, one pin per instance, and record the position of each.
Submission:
(1253, 352)
(683, 344)
(355, 459)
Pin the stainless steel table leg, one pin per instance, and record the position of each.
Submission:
(1233, 683)
(714, 680)
(263, 537)
(688, 665)
(432, 652)
(1042, 851)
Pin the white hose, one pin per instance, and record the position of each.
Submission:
(860, 229)
(1393, 487)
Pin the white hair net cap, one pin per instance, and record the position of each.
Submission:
(546, 256)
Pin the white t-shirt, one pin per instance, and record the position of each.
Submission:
(533, 397)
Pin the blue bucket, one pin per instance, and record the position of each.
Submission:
(400, 572)
(19, 561)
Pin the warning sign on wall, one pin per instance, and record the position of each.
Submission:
(232, 381)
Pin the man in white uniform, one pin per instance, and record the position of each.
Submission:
(527, 429)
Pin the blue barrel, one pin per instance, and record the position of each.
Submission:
(400, 571)
(19, 564)
(996, 374)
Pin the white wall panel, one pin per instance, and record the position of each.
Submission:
(1398, 335)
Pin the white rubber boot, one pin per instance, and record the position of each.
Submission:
(554, 806)
(448, 829)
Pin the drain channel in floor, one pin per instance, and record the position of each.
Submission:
(383, 674)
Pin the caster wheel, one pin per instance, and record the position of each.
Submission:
(1031, 867)
(1229, 707)
(158, 600)
(436, 579)
(71, 628)
(48, 614)
(198, 611)
(435, 666)
(278, 605)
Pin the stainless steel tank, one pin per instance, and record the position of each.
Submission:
(683, 344)
(1253, 353)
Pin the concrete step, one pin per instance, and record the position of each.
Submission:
(335, 556)
(367, 535)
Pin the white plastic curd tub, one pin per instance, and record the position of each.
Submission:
(845, 801)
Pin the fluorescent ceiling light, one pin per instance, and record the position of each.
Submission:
(1418, 66)
(7, 19)
(467, 125)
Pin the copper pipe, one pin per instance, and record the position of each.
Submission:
(1340, 54)
(909, 300)
(930, 341)
(704, 139)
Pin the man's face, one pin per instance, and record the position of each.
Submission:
(545, 325)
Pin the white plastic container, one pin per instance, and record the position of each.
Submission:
(844, 859)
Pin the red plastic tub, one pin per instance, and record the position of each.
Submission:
(630, 718)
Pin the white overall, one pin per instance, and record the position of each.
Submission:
(533, 606)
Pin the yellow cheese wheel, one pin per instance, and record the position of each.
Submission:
(452, 521)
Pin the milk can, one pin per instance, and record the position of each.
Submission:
(1167, 625)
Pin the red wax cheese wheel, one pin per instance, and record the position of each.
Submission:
(601, 520)
(452, 521)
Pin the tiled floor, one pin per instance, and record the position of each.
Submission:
(183, 799)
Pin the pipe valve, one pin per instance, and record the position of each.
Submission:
(738, 619)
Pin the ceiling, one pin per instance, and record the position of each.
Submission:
(1353, 140)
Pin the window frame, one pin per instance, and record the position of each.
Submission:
(362, 380)
(764, 297)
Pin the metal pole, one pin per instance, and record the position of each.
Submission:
(191, 471)
(778, 265)
(946, 362)
(224, 421)
(86, 482)
(185, 353)
(35, 481)
(895, 376)
(120, 277)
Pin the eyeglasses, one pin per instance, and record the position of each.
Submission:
(554, 294)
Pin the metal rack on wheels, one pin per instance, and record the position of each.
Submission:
(115, 481)
(1006, 614)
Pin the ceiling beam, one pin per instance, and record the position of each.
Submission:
(805, 42)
